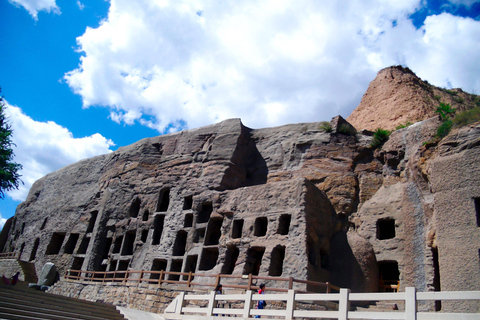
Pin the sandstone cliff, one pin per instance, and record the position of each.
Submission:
(294, 200)
(397, 96)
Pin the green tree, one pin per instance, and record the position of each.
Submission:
(9, 176)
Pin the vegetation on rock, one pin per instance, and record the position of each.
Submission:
(9, 176)
(379, 137)
(326, 126)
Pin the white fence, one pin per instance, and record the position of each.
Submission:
(178, 309)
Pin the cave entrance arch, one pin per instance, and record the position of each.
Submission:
(389, 276)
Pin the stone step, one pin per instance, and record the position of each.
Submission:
(13, 313)
(58, 302)
(88, 314)
(27, 303)
(23, 290)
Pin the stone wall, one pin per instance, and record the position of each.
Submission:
(9, 267)
(142, 297)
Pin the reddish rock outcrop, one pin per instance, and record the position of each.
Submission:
(397, 96)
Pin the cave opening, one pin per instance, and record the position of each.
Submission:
(118, 244)
(135, 207)
(254, 260)
(231, 257)
(158, 265)
(175, 266)
(190, 265)
(276, 261)
(187, 202)
(163, 200)
(214, 231)
(205, 211)
(82, 249)
(261, 225)
(199, 235)
(237, 228)
(389, 276)
(128, 242)
(77, 263)
(33, 254)
(71, 243)
(106, 249)
(180, 243)
(144, 236)
(157, 229)
(145, 215)
(91, 221)
(209, 258)
(284, 224)
(55, 243)
(386, 229)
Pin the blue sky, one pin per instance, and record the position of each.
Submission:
(83, 78)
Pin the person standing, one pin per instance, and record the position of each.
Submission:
(261, 303)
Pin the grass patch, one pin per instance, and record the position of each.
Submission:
(401, 126)
(326, 126)
(379, 137)
(459, 99)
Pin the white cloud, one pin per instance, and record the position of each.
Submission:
(445, 51)
(34, 6)
(2, 221)
(269, 62)
(80, 5)
(43, 147)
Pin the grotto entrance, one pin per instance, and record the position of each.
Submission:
(389, 276)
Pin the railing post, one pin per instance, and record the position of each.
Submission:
(248, 304)
(249, 284)
(211, 303)
(160, 278)
(291, 304)
(410, 303)
(217, 281)
(290, 283)
(141, 276)
(190, 279)
(328, 287)
(343, 304)
(180, 303)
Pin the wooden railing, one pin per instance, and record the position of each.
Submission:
(250, 281)
(9, 255)
(203, 307)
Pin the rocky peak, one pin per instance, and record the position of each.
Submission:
(397, 96)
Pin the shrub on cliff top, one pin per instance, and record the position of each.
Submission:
(467, 117)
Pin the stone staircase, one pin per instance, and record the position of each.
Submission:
(20, 302)
(28, 270)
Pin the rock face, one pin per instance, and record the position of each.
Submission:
(397, 96)
(294, 200)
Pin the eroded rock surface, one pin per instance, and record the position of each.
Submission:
(287, 201)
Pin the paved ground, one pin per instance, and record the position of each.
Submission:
(132, 314)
